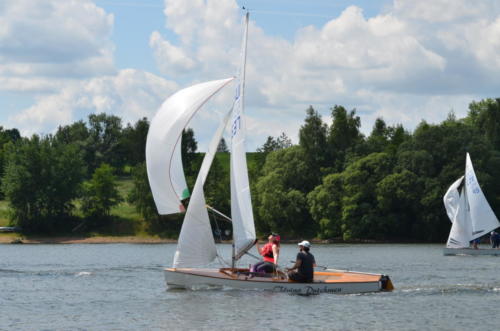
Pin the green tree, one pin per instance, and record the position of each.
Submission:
(485, 115)
(133, 142)
(280, 198)
(379, 137)
(325, 206)
(222, 147)
(74, 133)
(42, 179)
(190, 159)
(142, 198)
(104, 141)
(360, 215)
(77, 133)
(6, 136)
(271, 144)
(100, 193)
(343, 135)
(274, 144)
(313, 142)
(140, 195)
(398, 196)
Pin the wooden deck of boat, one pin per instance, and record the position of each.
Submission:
(319, 276)
(344, 277)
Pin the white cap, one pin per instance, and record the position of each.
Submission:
(305, 243)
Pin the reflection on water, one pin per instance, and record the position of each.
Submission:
(121, 287)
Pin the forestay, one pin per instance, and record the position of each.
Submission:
(163, 145)
(241, 204)
(196, 246)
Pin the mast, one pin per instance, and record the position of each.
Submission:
(241, 204)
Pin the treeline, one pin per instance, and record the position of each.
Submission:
(336, 183)
(389, 185)
(65, 181)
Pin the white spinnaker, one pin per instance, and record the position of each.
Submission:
(483, 218)
(241, 203)
(163, 145)
(196, 246)
(461, 229)
(451, 199)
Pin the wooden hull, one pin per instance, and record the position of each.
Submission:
(328, 281)
(471, 251)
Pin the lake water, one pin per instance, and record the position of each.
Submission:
(121, 287)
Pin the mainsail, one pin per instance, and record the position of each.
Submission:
(196, 244)
(163, 145)
(241, 204)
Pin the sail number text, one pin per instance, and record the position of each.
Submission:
(236, 125)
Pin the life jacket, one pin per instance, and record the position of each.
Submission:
(267, 252)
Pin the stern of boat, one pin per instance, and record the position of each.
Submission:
(386, 283)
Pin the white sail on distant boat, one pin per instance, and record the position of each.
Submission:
(196, 246)
(470, 214)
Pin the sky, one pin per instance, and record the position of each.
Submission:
(401, 60)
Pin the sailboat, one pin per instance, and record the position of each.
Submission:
(196, 246)
(470, 214)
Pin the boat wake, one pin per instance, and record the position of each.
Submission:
(450, 289)
(72, 272)
(83, 273)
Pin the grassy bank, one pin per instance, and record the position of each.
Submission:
(4, 213)
(126, 221)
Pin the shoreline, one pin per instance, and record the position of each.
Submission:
(84, 240)
(14, 238)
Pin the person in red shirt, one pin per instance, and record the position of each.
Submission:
(270, 254)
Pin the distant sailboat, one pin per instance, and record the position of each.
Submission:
(470, 214)
(196, 247)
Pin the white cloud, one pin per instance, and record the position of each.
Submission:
(131, 94)
(53, 41)
(209, 38)
(444, 10)
(170, 59)
(416, 60)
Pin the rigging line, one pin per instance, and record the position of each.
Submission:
(217, 228)
(218, 255)
(227, 218)
(280, 13)
(254, 256)
(129, 4)
(222, 261)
